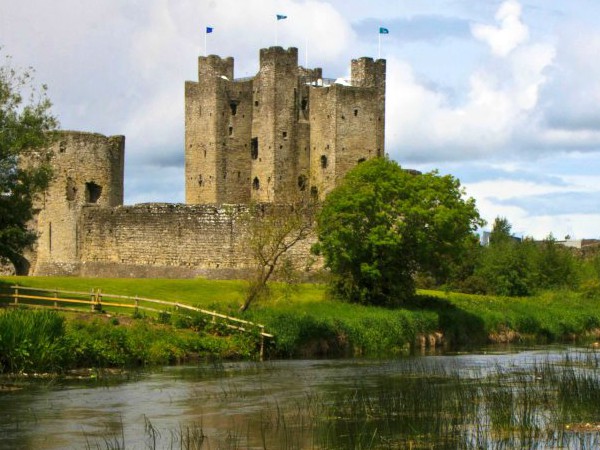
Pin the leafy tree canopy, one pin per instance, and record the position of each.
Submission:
(382, 224)
(25, 123)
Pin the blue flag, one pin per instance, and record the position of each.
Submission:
(209, 30)
(383, 30)
(281, 17)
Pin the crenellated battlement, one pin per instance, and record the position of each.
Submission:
(281, 133)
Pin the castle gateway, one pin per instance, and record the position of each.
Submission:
(263, 139)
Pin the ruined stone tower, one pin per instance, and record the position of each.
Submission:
(88, 172)
(282, 132)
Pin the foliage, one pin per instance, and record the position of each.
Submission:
(25, 124)
(382, 224)
(31, 340)
(509, 266)
(272, 231)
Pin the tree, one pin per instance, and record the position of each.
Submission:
(272, 230)
(382, 224)
(25, 125)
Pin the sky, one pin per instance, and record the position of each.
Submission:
(502, 94)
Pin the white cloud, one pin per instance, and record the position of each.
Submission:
(510, 32)
(501, 104)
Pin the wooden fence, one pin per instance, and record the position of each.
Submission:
(96, 301)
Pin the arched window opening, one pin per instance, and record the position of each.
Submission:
(256, 184)
(254, 148)
(323, 162)
(92, 192)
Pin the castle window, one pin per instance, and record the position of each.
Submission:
(256, 103)
(304, 103)
(323, 161)
(378, 152)
(355, 112)
(233, 106)
(254, 148)
(285, 134)
(92, 192)
(230, 131)
(255, 184)
(302, 182)
(71, 189)
(200, 180)
(360, 160)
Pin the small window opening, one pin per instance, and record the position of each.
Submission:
(71, 189)
(256, 103)
(302, 182)
(378, 152)
(256, 184)
(230, 131)
(304, 103)
(360, 160)
(233, 106)
(205, 153)
(285, 134)
(323, 161)
(92, 192)
(254, 148)
(239, 174)
(200, 180)
(314, 192)
(355, 112)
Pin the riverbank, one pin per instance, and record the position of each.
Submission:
(304, 320)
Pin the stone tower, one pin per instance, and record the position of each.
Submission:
(280, 133)
(88, 172)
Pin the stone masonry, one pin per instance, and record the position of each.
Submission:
(282, 133)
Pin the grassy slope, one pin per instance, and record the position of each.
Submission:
(306, 322)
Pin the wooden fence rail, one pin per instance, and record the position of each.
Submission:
(97, 301)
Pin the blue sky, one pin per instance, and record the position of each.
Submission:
(505, 95)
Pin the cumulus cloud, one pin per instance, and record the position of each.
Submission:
(501, 100)
(509, 33)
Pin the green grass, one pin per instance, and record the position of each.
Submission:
(307, 322)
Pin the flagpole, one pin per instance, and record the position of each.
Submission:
(379, 46)
(276, 32)
(205, 40)
(306, 52)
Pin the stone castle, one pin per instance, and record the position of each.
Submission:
(267, 139)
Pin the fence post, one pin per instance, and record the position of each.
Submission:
(137, 304)
(16, 294)
(55, 299)
(92, 296)
(262, 343)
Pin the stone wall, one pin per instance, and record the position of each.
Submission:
(164, 240)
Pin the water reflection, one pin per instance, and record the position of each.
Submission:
(543, 398)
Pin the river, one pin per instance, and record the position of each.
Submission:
(342, 403)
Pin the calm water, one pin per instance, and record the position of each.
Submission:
(276, 404)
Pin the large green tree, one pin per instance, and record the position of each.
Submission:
(382, 224)
(25, 124)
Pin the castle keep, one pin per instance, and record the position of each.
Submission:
(285, 132)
